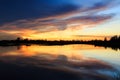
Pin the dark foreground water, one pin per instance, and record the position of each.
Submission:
(68, 62)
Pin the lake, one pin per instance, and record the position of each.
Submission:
(65, 62)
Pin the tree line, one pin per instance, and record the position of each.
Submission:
(114, 42)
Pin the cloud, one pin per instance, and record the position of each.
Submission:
(55, 24)
(17, 10)
(7, 36)
(54, 17)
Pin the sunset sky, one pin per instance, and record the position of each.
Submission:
(59, 19)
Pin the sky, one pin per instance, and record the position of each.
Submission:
(59, 19)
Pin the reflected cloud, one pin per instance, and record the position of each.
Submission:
(70, 51)
(59, 58)
(91, 68)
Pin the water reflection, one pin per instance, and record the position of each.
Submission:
(71, 62)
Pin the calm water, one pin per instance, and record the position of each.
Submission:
(68, 62)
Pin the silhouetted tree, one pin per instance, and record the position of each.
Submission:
(114, 38)
(18, 39)
(105, 39)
